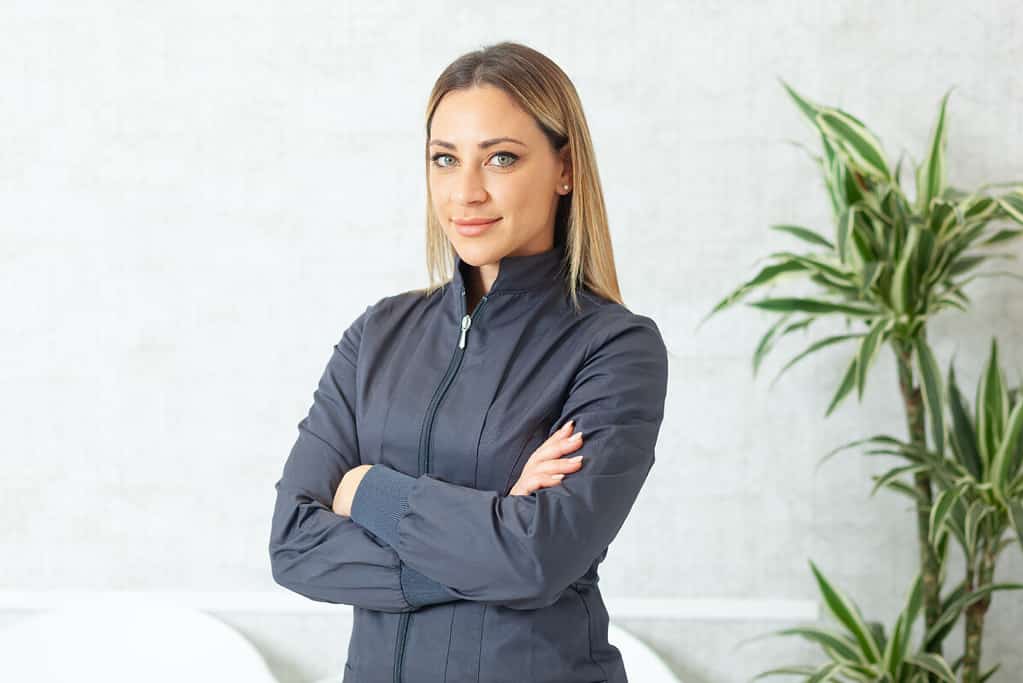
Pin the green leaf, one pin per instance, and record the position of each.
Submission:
(787, 671)
(1015, 508)
(865, 247)
(861, 148)
(895, 473)
(766, 275)
(828, 640)
(942, 217)
(828, 672)
(832, 288)
(902, 293)
(913, 603)
(805, 234)
(989, 673)
(962, 434)
(808, 108)
(933, 175)
(848, 614)
(844, 387)
(940, 510)
(882, 439)
(955, 608)
(965, 264)
(906, 490)
(1002, 469)
(1001, 236)
(934, 395)
(991, 408)
(889, 662)
(816, 346)
(940, 630)
(835, 272)
(948, 301)
(844, 228)
(974, 516)
(815, 306)
(1012, 204)
(933, 663)
(978, 206)
(868, 351)
(766, 342)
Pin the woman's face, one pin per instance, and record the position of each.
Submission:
(517, 180)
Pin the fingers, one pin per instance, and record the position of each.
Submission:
(542, 478)
(545, 474)
(545, 466)
(558, 466)
(559, 443)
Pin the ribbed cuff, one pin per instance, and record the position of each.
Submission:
(419, 589)
(381, 500)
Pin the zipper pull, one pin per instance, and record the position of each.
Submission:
(466, 321)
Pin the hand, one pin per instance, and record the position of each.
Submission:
(545, 464)
(345, 493)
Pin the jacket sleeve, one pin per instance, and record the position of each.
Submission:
(523, 551)
(314, 551)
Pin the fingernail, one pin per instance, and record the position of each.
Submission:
(568, 424)
(558, 476)
(577, 436)
(576, 457)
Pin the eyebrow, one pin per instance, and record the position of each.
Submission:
(483, 145)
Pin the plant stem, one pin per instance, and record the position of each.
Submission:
(975, 614)
(930, 568)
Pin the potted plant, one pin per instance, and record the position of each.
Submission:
(891, 264)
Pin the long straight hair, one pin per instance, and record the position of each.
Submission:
(544, 91)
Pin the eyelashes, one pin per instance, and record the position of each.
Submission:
(514, 158)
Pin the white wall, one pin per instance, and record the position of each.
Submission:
(198, 197)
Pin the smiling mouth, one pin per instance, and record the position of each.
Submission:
(473, 229)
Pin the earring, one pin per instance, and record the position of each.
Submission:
(564, 187)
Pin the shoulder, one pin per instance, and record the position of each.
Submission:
(407, 301)
(394, 309)
(608, 322)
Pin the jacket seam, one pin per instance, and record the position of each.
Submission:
(451, 636)
(589, 630)
(401, 587)
(326, 443)
(483, 633)
(525, 444)
(479, 440)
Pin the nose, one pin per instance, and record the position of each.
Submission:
(468, 189)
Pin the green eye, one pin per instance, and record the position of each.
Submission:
(436, 157)
(506, 154)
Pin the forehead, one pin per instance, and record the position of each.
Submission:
(467, 116)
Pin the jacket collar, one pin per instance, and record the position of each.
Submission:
(544, 270)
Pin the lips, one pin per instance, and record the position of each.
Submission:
(470, 227)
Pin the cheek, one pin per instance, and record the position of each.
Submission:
(516, 193)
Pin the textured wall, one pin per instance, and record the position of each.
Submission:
(198, 197)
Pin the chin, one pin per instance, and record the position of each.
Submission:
(477, 252)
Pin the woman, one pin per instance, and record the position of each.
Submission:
(424, 488)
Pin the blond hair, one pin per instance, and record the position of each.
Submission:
(543, 90)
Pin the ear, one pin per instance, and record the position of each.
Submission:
(566, 165)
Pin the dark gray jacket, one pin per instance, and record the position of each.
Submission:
(450, 578)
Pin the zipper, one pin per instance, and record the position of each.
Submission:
(424, 442)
